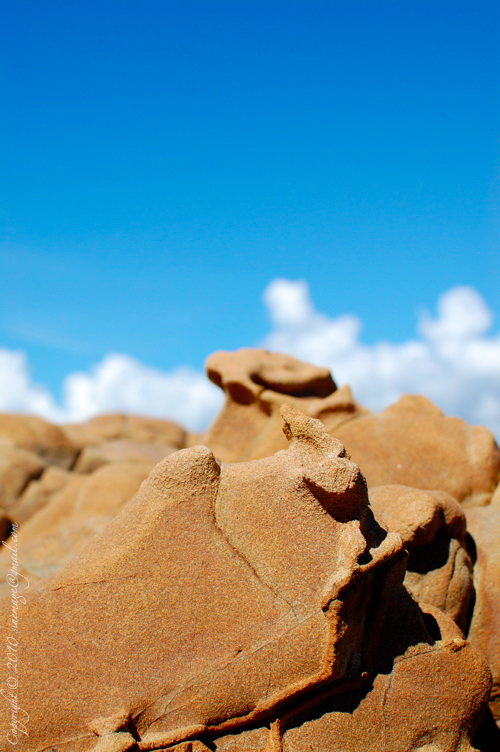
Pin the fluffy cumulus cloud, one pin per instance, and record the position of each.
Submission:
(17, 392)
(452, 359)
(117, 384)
(122, 384)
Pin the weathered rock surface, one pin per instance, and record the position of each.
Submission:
(433, 528)
(35, 482)
(384, 713)
(17, 468)
(256, 383)
(260, 599)
(425, 681)
(256, 606)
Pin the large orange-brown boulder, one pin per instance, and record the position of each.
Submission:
(385, 713)
(433, 529)
(411, 443)
(121, 450)
(256, 383)
(228, 600)
(36, 435)
(111, 426)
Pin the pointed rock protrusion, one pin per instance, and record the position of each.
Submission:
(336, 482)
(309, 434)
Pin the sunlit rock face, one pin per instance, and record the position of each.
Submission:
(257, 605)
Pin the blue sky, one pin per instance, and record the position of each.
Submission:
(163, 162)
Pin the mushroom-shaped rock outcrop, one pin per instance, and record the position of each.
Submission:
(224, 600)
(256, 383)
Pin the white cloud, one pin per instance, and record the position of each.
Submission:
(288, 303)
(120, 383)
(453, 361)
(17, 391)
(117, 384)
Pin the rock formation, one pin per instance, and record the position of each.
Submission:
(36, 457)
(34, 435)
(280, 603)
(252, 606)
(81, 508)
(17, 468)
(72, 481)
(121, 450)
